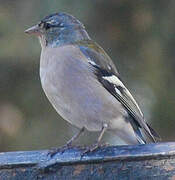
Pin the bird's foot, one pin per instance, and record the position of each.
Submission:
(61, 150)
(94, 147)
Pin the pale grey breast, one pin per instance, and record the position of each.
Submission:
(72, 88)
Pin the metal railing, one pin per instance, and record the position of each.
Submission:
(150, 161)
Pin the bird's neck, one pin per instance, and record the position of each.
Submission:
(65, 36)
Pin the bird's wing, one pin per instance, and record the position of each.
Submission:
(107, 74)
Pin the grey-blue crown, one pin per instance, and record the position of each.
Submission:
(61, 20)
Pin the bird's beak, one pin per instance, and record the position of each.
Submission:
(34, 30)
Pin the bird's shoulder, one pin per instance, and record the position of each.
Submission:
(97, 56)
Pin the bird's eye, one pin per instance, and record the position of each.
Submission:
(44, 25)
(47, 26)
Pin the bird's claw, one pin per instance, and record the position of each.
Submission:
(93, 147)
(52, 152)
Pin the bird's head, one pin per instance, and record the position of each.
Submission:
(58, 29)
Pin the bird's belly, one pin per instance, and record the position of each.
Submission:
(86, 110)
(78, 97)
(81, 108)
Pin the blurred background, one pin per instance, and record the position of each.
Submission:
(138, 35)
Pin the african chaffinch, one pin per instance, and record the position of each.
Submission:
(83, 85)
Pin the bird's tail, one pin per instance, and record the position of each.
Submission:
(154, 133)
(142, 137)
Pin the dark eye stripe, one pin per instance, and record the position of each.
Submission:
(48, 25)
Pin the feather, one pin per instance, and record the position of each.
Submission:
(108, 76)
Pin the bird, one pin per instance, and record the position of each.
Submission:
(83, 84)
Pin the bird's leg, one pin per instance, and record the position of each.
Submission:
(75, 137)
(97, 143)
(53, 151)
